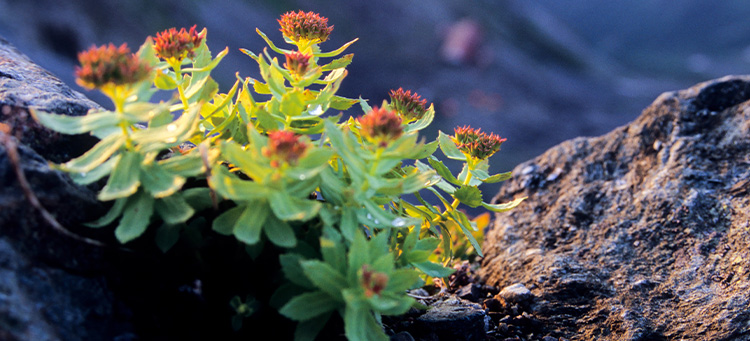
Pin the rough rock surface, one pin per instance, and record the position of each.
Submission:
(24, 85)
(640, 234)
(51, 286)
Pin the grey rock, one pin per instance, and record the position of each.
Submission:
(643, 235)
(515, 293)
(24, 85)
(453, 319)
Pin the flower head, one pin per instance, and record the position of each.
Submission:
(297, 62)
(373, 282)
(380, 126)
(304, 26)
(409, 105)
(284, 146)
(475, 143)
(108, 64)
(177, 45)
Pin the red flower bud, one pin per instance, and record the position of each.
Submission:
(304, 26)
(297, 63)
(373, 282)
(173, 44)
(380, 126)
(475, 143)
(284, 146)
(409, 105)
(110, 65)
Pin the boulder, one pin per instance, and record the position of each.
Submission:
(639, 234)
(52, 284)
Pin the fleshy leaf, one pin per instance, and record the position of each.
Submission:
(449, 147)
(124, 180)
(308, 306)
(135, 217)
(469, 195)
(504, 206)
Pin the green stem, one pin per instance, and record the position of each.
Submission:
(177, 67)
(118, 97)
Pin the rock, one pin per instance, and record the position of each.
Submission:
(644, 233)
(515, 293)
(453, 319)
(25, 85)
(51, 285)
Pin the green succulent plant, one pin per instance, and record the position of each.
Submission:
(326, 192)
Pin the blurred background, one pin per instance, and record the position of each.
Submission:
(537, 72)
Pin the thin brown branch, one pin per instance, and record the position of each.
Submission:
(12, 150)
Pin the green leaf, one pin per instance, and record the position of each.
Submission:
(308, 306)
(211, 65)
(73, 125)
(333, 251)
(360, 324)
(167, 236)
(229, 186)
(157, 181)
(486, 178)
(199, 198)
(339, 63)
(504, 206)
(173, 209)
(449, 147)
(292, 268)
(279, 232)
(244, 159)
(164, 81)
(124, 180)
(111, 215)
(270, 43)
(307, 330)
(224, 223)
(325, 277)
(292, 103)
(423, 122)
(184, 165)
(365, 107)
(426, 151)
(402, 279)
(463, 222)
(336, 52)
(97, 173)
(135, 217)
(95, 156)
(159, 138)
(249, 225)
(443, 171)
(342, 103)
(427, 244)
(434, 270)
(359, 255)
(288, 208)
(469, 195)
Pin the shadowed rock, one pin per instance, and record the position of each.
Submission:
(640, 234)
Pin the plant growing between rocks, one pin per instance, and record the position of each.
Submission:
(280, 173)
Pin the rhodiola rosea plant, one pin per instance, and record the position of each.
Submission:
(279, 168)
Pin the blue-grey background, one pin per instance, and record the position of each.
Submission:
(536, 72)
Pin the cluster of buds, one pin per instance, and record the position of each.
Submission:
(284, 146)
(373, 282)
(177, 45)
(380, 126)
(308, 26)
(409, 105)
(475, 143)
(109, 65)
(297, 63)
